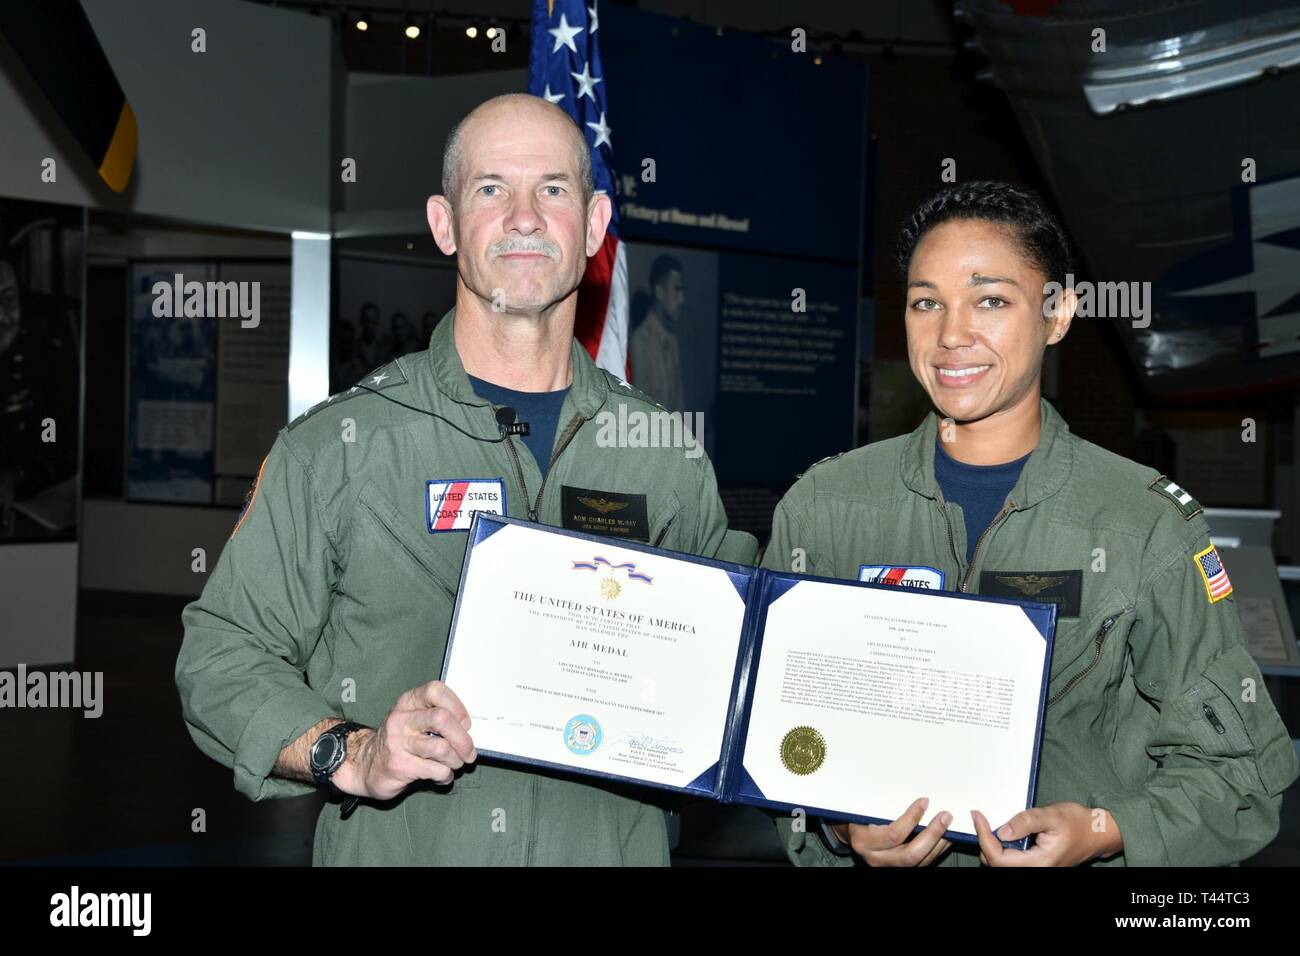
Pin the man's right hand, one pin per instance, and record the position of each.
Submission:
(893, 844)
(381, 763)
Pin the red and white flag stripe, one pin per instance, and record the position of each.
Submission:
(601, 324)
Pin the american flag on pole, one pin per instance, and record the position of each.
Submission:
(564, 67)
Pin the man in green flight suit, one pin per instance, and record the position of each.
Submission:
(308, 660)
(1160, 744)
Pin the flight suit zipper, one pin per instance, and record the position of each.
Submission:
(532, 822)
(947, 522)
(664, 533)
(1007, 508)
(1213, 718)
(570, 430)
(979, 542)
(1100, 639)
(519, 470)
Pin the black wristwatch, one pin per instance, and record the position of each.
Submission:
(327, 755)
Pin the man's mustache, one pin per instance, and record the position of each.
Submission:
(525, 244)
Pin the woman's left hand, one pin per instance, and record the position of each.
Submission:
(1068, 834)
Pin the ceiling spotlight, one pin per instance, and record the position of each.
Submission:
(490, 32)
(412, 31)
(471, 31)
(363, 26)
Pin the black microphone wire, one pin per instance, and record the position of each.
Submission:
(425, 411)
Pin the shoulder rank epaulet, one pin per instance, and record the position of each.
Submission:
(620, 387)
(385, 376)
(1166, 488)
(816, 463)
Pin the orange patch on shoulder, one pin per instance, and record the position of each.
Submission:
(252, 496)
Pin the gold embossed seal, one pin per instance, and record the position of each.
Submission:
(803, 750)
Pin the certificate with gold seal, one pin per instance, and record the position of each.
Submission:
(847, 700)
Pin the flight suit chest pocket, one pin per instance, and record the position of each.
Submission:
(1083, 646)
(380, 526)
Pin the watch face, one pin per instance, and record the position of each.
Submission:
(323, 751)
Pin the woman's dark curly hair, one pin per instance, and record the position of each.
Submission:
(1036, 229)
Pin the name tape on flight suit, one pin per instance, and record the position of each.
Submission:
(611, 513)
(453, 501)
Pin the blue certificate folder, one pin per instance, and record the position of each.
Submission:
(727, 780)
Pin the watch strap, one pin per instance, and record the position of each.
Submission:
(340, 732)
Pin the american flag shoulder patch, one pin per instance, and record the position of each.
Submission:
(1213, 573)
(1170, 490)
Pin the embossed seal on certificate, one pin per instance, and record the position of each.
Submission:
(803, 750)
(582, 734)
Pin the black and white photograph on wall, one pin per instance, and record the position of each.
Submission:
(41, 266)
(384, 309)
(673, 318)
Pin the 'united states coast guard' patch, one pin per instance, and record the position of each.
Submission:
(453, 501)
(904, 575)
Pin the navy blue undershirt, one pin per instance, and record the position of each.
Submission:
(541, 410)
(981, 490)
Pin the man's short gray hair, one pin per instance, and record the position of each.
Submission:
(453, 155)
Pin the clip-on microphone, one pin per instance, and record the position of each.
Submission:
(506, 420)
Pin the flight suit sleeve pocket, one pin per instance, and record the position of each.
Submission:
(1234, 717)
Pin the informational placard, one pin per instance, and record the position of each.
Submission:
(786, 358)
(209, 376)
(743, 346)
(744, 292)
(172, 389)
(1261, 602)
(252, 378)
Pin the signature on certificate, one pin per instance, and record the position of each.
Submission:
(662, 745)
